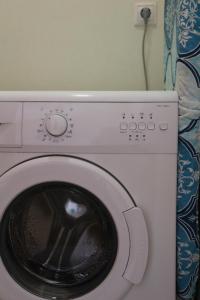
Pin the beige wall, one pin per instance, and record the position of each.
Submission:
(76, 45)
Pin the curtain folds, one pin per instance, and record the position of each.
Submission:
(182, 72)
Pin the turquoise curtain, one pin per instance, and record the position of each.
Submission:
(182, 73)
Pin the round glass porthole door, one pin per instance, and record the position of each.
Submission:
(58, 240)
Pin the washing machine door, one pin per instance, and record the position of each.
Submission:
(69, 230)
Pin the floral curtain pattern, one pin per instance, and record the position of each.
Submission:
(182, 73)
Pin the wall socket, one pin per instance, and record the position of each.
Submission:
(139, 6)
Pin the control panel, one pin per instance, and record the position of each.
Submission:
(139, 126)
(95, 127)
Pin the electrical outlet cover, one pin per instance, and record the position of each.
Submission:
(139, 6)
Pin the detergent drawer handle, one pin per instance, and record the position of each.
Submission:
(138, 245)
(4, 123)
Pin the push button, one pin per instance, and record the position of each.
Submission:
(142, 126)
(133, 126)
(163, 126)
(151, 126)
(123, 126)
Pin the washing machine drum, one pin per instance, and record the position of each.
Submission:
(61, 239)
(59, 236)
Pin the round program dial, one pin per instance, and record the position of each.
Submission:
(56, 125)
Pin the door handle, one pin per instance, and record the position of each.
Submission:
(139, 245)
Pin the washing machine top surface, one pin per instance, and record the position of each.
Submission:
(89, 96)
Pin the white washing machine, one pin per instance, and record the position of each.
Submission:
(88, 195)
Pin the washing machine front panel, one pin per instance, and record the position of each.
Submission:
(93, 213)
(123, 132)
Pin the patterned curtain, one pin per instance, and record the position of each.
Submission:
(182, 72)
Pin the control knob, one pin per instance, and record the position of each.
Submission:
(56, 125)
